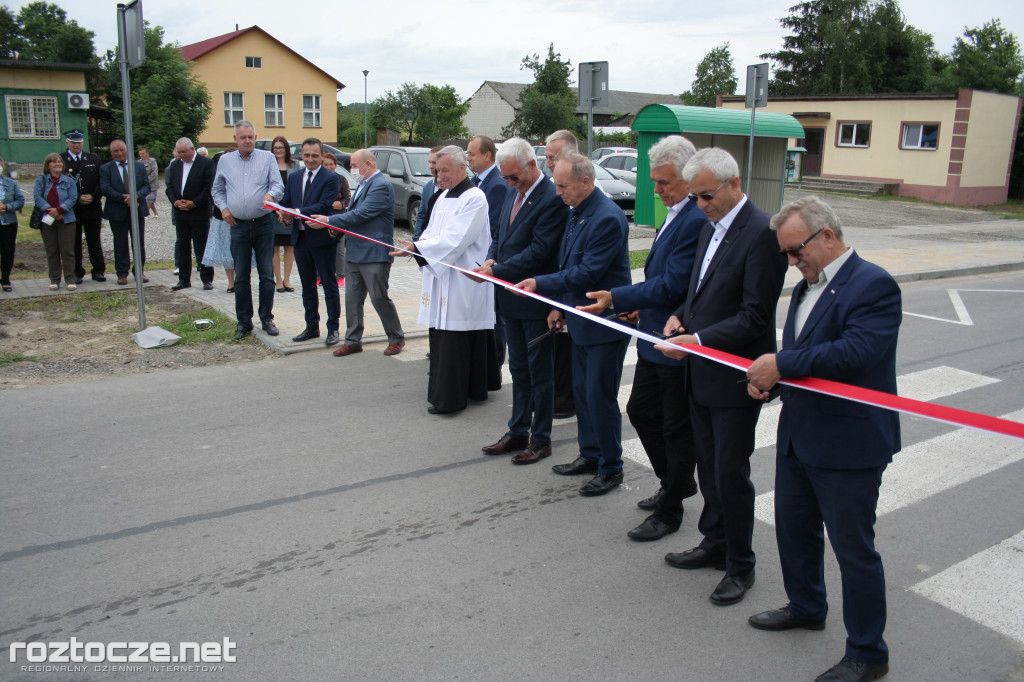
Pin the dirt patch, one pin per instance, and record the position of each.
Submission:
(63, 351)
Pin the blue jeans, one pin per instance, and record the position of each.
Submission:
(253, 237)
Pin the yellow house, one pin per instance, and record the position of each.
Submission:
(949, 147)
(253, 76)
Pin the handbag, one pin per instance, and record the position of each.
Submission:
(35, 221)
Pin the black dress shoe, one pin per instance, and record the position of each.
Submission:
(696, 558)
(580, 465)
(849, 670)
(733, 588)
(563, 413)
(505, 445)
(207, 286)
(241, 332)
(306, 335)
(332, 337)
(270, 328)
(651, 529)
(99, 278)
(78, 280)
(599, 485)
(181, 285)
(778, 620)
(651, 502)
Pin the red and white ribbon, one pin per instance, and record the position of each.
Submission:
(867, 396)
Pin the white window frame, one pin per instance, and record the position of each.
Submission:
(231, 110)
(908, 128)
(32, 116)
(273, 110)
(254, 62)
(853, 137)
(311, 114)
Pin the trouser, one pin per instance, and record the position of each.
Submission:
(372, 279)
(318, 261)
(122, 231)
(248, 238)
(191, 234)
(91, 228)
(59, 242)
(8, 239)
(596, 373)
(533, 382)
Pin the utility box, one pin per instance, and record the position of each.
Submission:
(795, 165)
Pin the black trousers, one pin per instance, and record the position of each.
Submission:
(91, 228)
(191, 236)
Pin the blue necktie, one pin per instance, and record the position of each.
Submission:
(572, 224)
(476, 180)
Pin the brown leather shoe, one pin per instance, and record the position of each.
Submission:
(394, 348)
(505, 445)
(346, 349)
(532, 454)
(122, 279)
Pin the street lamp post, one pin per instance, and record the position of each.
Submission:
(365, 109)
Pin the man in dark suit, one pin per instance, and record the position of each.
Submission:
(730, 306)
(843, 323)
(594, 256)
(313, 191)
(429, 190)
(657, 408)
(114, 185)
(84, 167)
(530, 231)
(481, 154)
(189, 180)
(371, 213)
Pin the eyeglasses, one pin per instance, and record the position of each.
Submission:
(511, 178)
(279, 148)
(795, 251)
(707, 196)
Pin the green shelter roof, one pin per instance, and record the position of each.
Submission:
(677, 118)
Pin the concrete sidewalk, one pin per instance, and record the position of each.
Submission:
(910, 253)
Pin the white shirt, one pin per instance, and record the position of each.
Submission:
(721, 227)
(673, 211)
(813, 292)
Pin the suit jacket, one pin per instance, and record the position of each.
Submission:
(849, 336)
(666, 277)
(114, 190)
(319, 200)
(197, 188)
(371, 213)
(734, 309)
(594, 258)
(429, 190)
(86, 173)
(528, 247)
(495, 189)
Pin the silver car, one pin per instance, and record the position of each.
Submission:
(409, 170)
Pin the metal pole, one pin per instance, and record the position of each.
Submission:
(129, 141)
(750, 149)
(366, 110)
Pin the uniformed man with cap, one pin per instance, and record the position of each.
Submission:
(84, 167)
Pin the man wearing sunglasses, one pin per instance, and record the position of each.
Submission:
(843, 323)
(730, 306)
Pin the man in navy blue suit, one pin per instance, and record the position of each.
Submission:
(114, 186)
(429, 190)
(657, 408)
(530, 231)
(843, 323)
(730, 306)
(594, 256)
(313, 191)
(371, 213)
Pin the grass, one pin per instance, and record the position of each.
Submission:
(637, 259)
(10, 358)
(223, 327)
(74, 308)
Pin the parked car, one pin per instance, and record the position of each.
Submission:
(622, 165)
(602, 152)
(619, 191)
(408, 169)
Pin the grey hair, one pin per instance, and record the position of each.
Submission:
(518, 149)
(457, 155)
(674, 150)
(244, 124)
(580, 167)
(187, 142)
(202, 151)
(816, 213)
(571, 143)
(718, 162)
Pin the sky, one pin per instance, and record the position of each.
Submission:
(464, 43)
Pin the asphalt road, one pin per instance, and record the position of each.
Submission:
(309, 510)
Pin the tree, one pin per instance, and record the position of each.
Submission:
(350, 125)
(548, 104)
(9, 34)
(429, 112)
(168, 101)
(989, 59)
(715, 76)
(397, 110)
(46, 35)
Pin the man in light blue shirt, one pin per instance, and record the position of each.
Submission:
(245, 181)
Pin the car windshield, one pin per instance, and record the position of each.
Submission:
(419, 163)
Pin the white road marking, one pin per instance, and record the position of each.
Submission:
(968, 587)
